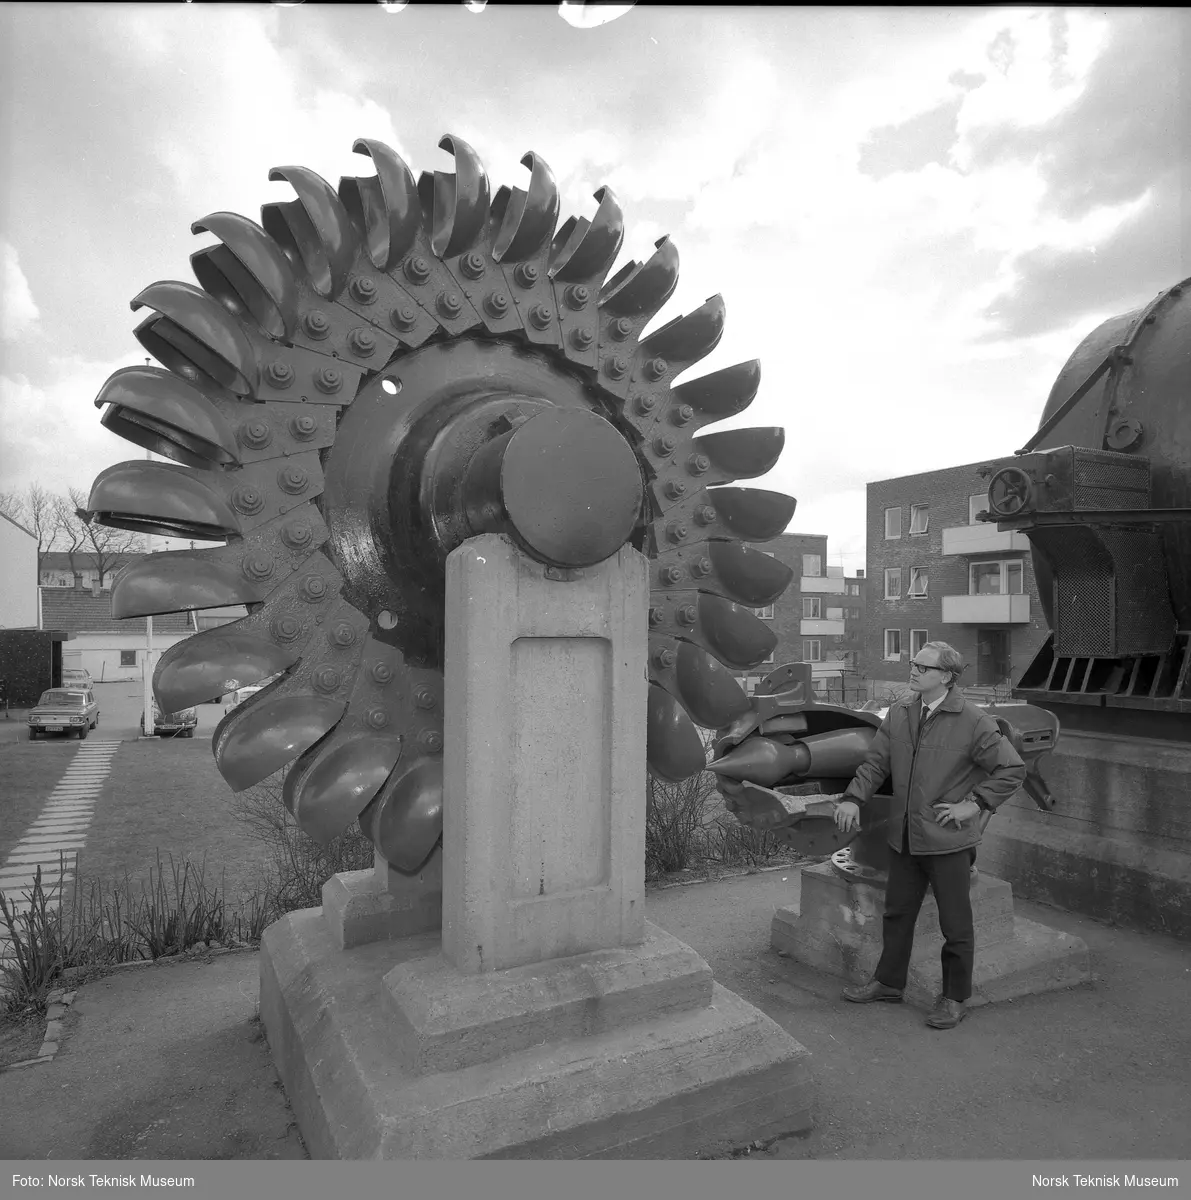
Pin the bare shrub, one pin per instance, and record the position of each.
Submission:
(675, 817)
(298, 865)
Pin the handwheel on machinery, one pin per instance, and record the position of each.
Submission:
(370, 376)
(1010, 492)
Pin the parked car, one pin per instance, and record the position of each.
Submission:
(65, 711)
(176, 724)
(77, 677)
(232, 699)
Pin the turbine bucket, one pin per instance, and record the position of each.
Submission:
(328, 254)
(529, 217)
(251, 268)
(158, 411)
(404, 821)
(459, 206)
(737, 453)
(582, 249)
(385, 205)
(723, 393)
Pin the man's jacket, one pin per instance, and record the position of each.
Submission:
(958, 751)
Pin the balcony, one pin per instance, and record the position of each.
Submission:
(817, 627)
(986, 610)
(832, 584)
(983, 538)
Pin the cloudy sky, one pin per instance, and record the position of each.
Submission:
(913, 215)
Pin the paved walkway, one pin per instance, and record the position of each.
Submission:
(60, 829)
(168, 1062)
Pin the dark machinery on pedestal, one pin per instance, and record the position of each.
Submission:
(376, 373)
(1103, 491)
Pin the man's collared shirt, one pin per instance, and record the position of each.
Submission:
(927, 709)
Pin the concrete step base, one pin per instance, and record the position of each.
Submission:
(837, 929)
(643, 1084)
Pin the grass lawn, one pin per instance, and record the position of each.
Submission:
(166, 795)
(29, 772)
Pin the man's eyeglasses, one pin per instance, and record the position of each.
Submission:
(922, 668)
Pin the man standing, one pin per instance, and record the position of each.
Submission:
(948, 762)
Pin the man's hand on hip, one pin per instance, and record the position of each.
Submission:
(847, 816)
(965, 810)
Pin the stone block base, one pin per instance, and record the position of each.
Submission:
(837, 929)
(370, 906)
(385, 1054)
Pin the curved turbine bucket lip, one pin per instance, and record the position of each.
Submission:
(251, 745)
(158, 411)
(404, 819)
(583, 248)
(459, 206)
(530, 216)
(201, 667)
(205, 322)
(178, 581)
(339, 782)
(160, 497)
(263, 261)
(389, 204)
(331, 257)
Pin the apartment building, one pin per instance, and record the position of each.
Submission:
(819, 619)
(938, 573)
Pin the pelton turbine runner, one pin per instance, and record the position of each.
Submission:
(373, 375)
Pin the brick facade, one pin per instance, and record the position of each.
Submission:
(996, 650)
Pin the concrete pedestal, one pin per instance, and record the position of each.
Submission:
(548, 1018)
(837, 928)
(1117, 845)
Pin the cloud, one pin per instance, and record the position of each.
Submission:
(18, 310)
(914, 144)
(52, 435)
(1114, 162)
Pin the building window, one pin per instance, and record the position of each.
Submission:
(918, 582)
(919, 519)
(767, 660)
(893, 522)
(853, 589)
(893, 583)
(128, 658)
(812, 608)
(977, 504)
(765, 612)
(893, 644)
(812, 650)
(918, 639)
(996, 578)
(812, 565)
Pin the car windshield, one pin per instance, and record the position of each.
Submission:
(72, 699)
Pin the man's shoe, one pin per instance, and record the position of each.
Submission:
(868, 992)
(946, 1014)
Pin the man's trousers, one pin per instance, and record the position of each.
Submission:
(949, 877)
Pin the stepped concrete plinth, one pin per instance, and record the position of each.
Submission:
(546, 1018)
(836, 928)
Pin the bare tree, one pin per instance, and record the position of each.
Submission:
(36, 509)
(103, 546)
(72, 534)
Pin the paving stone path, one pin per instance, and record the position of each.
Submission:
(61, 828)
